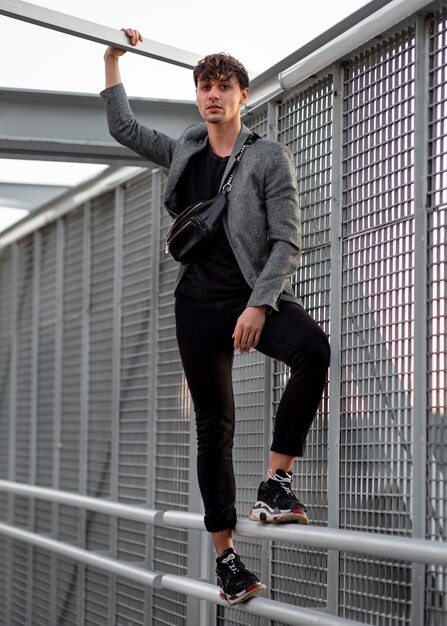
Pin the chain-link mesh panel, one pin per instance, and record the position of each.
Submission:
(130, 603)
(136, 312)
(258, 123)
(172, 444)
(70, 521)
(378, 135)
(108, 455)
(42, 562)
(6, 327)
(71, 367)
(101, 311)
(305, 126)
(375, 589)
(378, 318)
(134, 417)
(45, 392)
(67, 594)
(97, 586)
(21, 553)
(19, 587)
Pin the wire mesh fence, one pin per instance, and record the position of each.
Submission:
(93, 398)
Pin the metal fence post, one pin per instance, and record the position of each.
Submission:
(116, 386)
(83, 430)
(418, 500)
(13, 415)
(152, 378)
(37, 251)
(335, 336)
(57, 405)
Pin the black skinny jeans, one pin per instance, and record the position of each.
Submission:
(204, 331)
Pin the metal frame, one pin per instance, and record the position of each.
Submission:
(269, 609)
(377, 544)
(84, 29)
(378, 424)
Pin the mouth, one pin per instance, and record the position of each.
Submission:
(213, 107)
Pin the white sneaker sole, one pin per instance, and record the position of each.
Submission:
(260, 588)
(263, 515)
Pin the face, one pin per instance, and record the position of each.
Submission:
(219, 101)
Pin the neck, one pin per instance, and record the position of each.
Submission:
(223, 137)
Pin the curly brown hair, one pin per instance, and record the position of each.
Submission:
(221, 66)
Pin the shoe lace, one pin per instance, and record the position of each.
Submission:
(285, 482)
(231, 562)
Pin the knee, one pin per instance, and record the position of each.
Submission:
(315, 349)
(215, 434)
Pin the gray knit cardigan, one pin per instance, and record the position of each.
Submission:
(262, 221)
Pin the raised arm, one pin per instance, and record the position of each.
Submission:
(113, 55)
(152, 145)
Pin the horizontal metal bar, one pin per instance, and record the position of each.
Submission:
(112, 566)
(117, 509)
(69, 201)
(271, 609)
(40, 16)
(374, 544)
(333, 51)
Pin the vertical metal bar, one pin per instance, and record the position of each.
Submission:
(152, 379)
(13, 418)
(335, 335)
(83, 427)
(419, 495)
(37, 249)
(57, 406)
(116, 387)
(267, 546)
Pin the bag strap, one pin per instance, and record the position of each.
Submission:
(226, 187)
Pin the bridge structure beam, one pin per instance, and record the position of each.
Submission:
(60, 126)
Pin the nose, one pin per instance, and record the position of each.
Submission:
(212, 94)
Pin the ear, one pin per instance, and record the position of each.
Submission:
(244, 95)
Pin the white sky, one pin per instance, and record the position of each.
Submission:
(259, 35)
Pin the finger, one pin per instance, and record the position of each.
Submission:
(251, 340)
(246, 341)
(134, 35)
(256, 338)
(237, 338)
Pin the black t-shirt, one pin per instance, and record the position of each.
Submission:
(215, 274)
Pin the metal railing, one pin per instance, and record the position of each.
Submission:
(95, 401)
(374, 544)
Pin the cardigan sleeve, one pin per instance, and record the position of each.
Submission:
(150, 144)
(283, 213)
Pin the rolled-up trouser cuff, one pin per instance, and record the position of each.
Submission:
(226, 518)
(280, 448)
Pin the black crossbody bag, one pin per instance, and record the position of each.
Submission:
(198, 222)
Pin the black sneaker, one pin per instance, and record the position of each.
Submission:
(277, 502)
(237, 584)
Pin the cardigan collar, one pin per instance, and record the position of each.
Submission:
(194, 139)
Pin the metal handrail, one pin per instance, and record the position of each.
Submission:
(41, 16)
(374, 544)
(356, 36)
(270, 609)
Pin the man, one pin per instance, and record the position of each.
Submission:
(236, 295)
